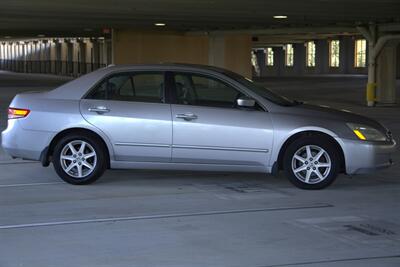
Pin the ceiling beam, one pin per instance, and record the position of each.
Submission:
(286, 31)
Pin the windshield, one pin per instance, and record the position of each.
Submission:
(262, 91)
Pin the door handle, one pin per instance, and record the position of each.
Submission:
(99, 110)
(186, 116)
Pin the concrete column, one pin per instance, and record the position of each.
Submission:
(64, 57)
(109, 52)
(398, 61)
(279, 61)
(44, 55)
(28, 56)
(81, 56)
(88, 56)
(386, 74)
(35, 56)
(10, 55)
(102, 53)
(261, 60)
(25, 56)
(300, 58)
(322, 56)
(76, 55)
(20, 57)
(53, 56)
(12, 45)
(15, 56)
(1, 56)
(95, 54)
(216, 51)
(58, 59)
(70, 64)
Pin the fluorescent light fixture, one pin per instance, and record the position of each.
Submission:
(280, 17)
(159, 24)
(7, 37)
(40, 35)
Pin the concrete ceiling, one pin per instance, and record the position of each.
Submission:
(89, 17)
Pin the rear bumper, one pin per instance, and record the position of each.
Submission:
(21, 143)
(365, 157)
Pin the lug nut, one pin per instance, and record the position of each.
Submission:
(74, 161)
(308, 168)
(316, 162)
(314, 168)
(306, 162)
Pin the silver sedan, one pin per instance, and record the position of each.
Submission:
(189, 117)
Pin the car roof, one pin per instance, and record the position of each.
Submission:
(183, 66)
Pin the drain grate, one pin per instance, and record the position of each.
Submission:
(242, 190)
(246, 188)
(369, 229)
(358, 229)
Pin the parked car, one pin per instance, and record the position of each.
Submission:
(189, 117)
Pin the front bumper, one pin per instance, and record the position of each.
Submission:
(22, 143)
(364, 156)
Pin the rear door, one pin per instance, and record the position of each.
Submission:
(209, 128)
(130, 109)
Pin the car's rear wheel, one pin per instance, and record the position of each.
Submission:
(79, 159)
(311, 162)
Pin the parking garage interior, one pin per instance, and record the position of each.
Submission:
(341, 54)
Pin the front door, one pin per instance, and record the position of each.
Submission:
(209, 128)
(130, 109)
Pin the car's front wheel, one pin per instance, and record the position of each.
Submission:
(79, 159)
(311, 162)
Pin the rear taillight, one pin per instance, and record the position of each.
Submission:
(17, 113)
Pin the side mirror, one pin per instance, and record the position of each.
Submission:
(246, 102)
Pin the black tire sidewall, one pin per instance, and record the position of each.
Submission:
(101, 159)
(322, 142)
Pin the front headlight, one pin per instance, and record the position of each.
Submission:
(367, 133)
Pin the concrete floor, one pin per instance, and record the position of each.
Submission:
(153, 218)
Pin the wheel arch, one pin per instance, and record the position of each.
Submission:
(304, 133)
(47, 154)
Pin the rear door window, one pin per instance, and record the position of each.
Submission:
(136, 87)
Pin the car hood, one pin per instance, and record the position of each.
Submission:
(328, 113)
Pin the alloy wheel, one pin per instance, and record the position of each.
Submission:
(311, 164)
(78, 159)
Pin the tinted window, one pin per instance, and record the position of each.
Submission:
(262, 91)
(139, 87)
(193, 89)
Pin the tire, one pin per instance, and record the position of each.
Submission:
(88, 166)
(304, 169)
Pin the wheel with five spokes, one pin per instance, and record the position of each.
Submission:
(311, 162)
(79, 159)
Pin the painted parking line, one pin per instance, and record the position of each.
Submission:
(163, 216)
(10, 162)
(348, 260)
(31, 184)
